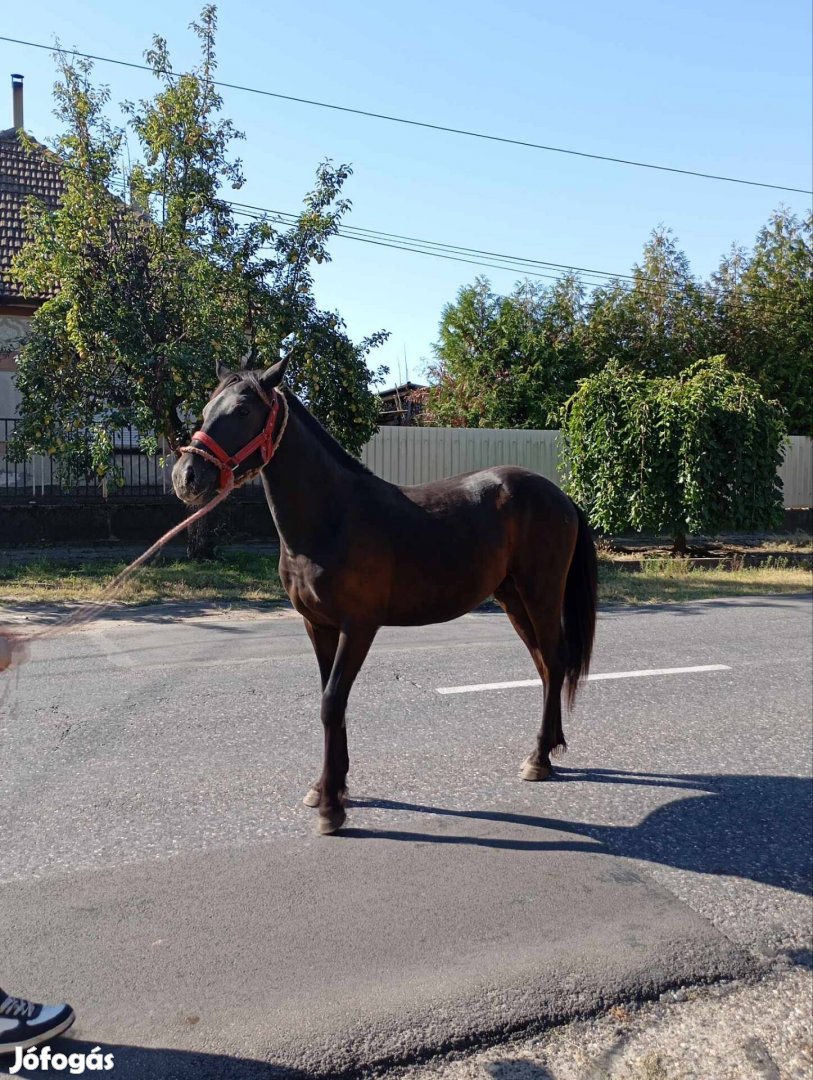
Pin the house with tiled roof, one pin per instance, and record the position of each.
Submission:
(25, 170)
(402, 405)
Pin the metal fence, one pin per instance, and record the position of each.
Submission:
(415, 455)
(402, 455)
(40, 476)
(418, 455)
(796, 472)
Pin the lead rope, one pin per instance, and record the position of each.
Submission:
(13, 640)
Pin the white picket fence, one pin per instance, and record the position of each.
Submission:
(416, 455)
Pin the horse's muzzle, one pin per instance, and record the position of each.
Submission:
(194, 480)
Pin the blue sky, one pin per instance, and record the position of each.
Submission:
(721, 87)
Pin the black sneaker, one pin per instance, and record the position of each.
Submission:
(27, 1023)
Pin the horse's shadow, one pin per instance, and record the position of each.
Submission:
(755, 827)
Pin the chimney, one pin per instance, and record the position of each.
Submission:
(17, 98)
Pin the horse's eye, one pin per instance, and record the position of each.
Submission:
(244, 410)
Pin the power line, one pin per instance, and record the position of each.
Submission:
(444, 246)
(450, 252)
(518, 266)
(455, 258)
(422, 123)
(454, 253)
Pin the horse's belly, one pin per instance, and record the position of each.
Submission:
(435, 614)
(380, 585)
(424, 597)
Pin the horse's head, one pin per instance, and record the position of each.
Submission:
(236, 437)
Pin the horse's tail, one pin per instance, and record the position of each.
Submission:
(579, 615)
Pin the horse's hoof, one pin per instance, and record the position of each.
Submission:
(314, 797)
(332, 822)
(532, 771)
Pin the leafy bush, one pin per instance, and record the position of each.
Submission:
(697, 452)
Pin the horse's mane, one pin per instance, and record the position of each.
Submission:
(335, 449)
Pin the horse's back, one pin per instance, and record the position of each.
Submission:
(512, 484)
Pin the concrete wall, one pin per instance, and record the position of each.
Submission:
(129, 521)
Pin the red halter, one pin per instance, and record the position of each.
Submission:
(264, 442)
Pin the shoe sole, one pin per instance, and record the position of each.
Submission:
(44, 1036)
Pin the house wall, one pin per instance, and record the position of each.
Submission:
(14, 329)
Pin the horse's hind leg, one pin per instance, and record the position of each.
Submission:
(539, 627)
(545, 615)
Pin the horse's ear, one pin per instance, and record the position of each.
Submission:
(274, 375)
(223, 372)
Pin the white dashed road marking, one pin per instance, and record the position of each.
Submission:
(591, 678)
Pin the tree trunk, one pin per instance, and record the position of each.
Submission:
(680, 545)
(202, 536)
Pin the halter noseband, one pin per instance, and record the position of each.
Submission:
(265, 442)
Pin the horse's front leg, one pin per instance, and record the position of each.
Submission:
(325, 641)
(354, 644)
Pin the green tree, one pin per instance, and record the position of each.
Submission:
(507, 362)
(328, 370)
(697, 452)
(147, 297)
(657, 323)
(763, 308)
(462, 390)
(512, 361)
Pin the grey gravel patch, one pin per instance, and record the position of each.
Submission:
(760, 1030)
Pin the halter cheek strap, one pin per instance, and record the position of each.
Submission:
(266, 442)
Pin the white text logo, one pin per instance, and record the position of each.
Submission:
(42, 1058)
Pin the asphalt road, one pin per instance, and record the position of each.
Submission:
(157, 866)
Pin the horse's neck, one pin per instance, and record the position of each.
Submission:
(303, 485)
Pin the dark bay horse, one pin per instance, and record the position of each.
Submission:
(357, 553)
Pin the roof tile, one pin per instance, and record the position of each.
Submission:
(23, 172)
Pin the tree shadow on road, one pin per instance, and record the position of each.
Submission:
(696, 606)
(702, 605)
(35, 613)
(755, 827)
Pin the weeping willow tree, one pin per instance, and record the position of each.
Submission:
(693, 453)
